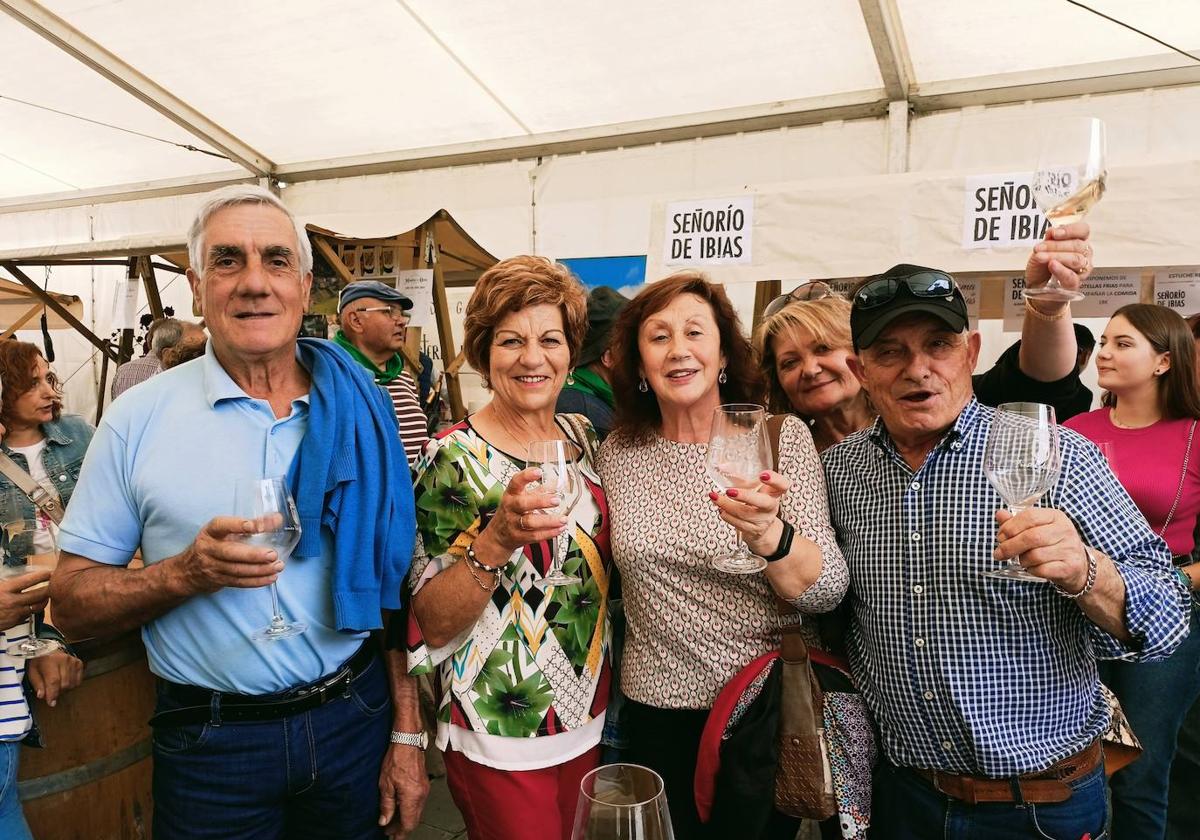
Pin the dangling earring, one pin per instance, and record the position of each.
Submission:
(571, 376)
(721, 377)
(642, 386)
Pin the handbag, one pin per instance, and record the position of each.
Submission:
(803, 778)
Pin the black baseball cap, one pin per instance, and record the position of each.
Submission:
(902, 290)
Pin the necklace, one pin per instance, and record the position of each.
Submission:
(1112, 418)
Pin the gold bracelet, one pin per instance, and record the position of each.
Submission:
(483, 584)
(1042, 316)
(473, 563)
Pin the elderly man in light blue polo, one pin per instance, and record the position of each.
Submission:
(287, 738)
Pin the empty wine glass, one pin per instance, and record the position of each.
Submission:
(622, 802)
(1109, 451)
(1070, 179)
(26, 645)
(738, 452)
(558, 461)
(268, 504)
(1022, 461)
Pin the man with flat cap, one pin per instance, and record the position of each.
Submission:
(589, 387)
(985, 689)
(373, 319)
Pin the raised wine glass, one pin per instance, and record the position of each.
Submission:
(622, 802)
(1022, 461)
(738, 452)
(558, 461)
(1070, 179)
(268, 504)
(27, 645)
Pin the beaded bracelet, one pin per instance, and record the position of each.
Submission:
(1089, 584)
(474, 563)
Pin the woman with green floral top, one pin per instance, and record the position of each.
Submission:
(521, 666)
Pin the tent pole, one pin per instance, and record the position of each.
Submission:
(61, 310)
(441, 309)
(150, 283)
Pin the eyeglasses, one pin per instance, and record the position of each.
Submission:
(923, 284)
(812, 290)
(394, 311)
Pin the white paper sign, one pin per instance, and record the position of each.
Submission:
(1014, 303)
(1178, 289)
(970, 288)
(999, 212)
(1107, 291)
(417, 286)
(714, 231)
(125, 305)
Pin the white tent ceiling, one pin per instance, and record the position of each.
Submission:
(302, 89)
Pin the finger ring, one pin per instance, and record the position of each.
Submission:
(524, 527)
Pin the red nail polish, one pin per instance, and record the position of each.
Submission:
(713, 496)
(765, 477)
(732, 493)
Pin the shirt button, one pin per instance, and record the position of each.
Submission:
(928, 695)
(916, 485)
(918, 589)
(916, 537)
(956, 446)
(919, 643)
(946, 745)
(62, 477)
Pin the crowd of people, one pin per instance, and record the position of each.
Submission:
(424, 559)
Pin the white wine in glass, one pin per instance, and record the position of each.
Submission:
(738, 453)
(1022, 461)
(622, 802)
(1070, 179)
(268, 504)
(29, 646)
(558, 461)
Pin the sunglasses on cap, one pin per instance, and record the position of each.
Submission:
(923, 284)
(812, 290)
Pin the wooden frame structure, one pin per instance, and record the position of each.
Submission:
(439, 243)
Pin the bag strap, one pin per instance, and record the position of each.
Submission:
(774, 430)
(46, 501)
(1182, 479)
(578, 424)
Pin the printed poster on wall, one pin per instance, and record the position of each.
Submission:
(1107, 291)
(125, 305)
(1014, 302)
(417, 285)
(999, 212)
(714, 231)
(1178, 289)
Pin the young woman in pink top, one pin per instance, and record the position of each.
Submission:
(1147, 367)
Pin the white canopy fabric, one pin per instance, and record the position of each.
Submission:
(302, 86)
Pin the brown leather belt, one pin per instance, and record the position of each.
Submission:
(1050, 785)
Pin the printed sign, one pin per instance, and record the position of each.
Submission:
(125, 305)
(417, 286)
(1014, 303)
(715, 231)
(1107, 291)
(1178, 289)
(999, 212)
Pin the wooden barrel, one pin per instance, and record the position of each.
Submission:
(92, 781)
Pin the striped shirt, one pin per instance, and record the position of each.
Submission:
(414, 433)
(15, 720)
(973, 674)
(134, 372)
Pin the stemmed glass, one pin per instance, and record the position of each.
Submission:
(268, 504)
(29, 647)
(557, 459)
(1022, 461)
(1069, 180)
(738, 452)
(622, 802)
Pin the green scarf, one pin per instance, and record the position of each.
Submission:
(395, 365)
(590, 382)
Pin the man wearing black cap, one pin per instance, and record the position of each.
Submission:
(374, 319)
(985, 689)
(589, 388)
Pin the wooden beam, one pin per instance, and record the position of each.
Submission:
(150, 284)
(765, 291)
(62, 311)
(22, 321)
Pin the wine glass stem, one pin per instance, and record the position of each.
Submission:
(1015, 562)
(32, 627)
(276, 613)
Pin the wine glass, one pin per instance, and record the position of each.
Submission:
(1022, 461)
(557, 459)
(1069, 180)
(1109, 450)
(622, 802)
(738, 452)
(268, 504)
(45, 543)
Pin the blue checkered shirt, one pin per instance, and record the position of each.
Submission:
(973, 674)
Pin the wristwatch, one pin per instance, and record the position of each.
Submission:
(785, 543)
(420, 740)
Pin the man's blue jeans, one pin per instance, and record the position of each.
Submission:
(12, 821)
(905, 806)
(1155, 696)
(311, 776)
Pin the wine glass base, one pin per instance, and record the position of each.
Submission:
(748, 564)
(33, 648)
(276, 632)
(1014, 573)
(559, 579)
(1056, 294)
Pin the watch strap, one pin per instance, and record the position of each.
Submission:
(785, 543)
(420, 740)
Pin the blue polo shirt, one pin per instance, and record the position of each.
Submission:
(164, 462)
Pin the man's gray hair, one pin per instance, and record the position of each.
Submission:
(165, 333)
(232, 196)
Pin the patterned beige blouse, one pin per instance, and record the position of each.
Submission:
(691, 627)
